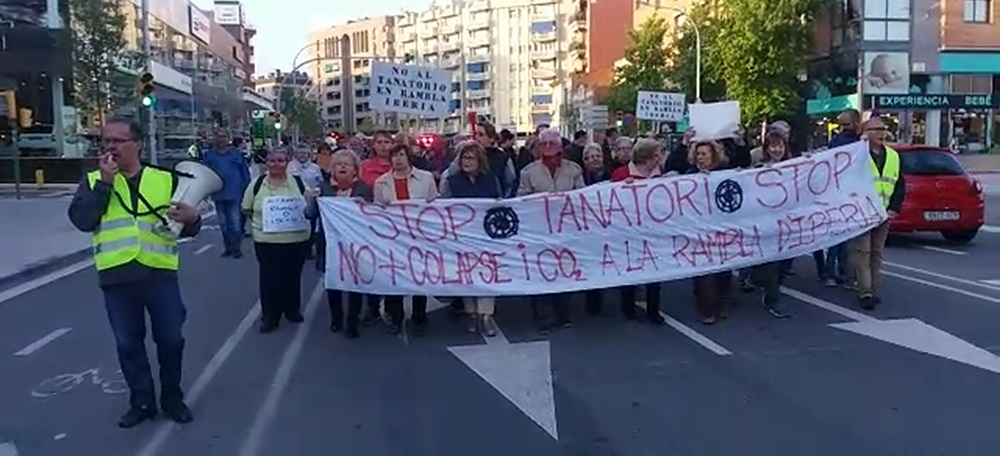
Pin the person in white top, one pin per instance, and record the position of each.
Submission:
(311, 175)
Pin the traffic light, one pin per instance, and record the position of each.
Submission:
(146, 89)
(618, 119)
(25, 118)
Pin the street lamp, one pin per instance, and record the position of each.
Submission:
(682, 14)
(284, 77)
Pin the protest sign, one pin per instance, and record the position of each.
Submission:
(660, 106)
(410, 89)
(602, 236)
(712, 121)
(283, 214)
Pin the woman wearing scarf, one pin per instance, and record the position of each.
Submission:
(279, 243)
(647, 159)
(711, 291)
(343, 183)
(404, 182)
(474, 180)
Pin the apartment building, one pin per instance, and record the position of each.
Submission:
(271, 86)
(599, 37)
(342, 68)
(931, 68)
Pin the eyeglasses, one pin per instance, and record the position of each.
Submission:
(109, 141)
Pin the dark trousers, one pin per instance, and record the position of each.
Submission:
(557, 305)
(312, 237)
(127, 305)
(335, 299)
(280, 279)
(394, 307)
(767, 276)
(230, 224)
(711, 293)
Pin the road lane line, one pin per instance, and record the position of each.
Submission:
(942, 286)
(269, 408)
(943, 250)
(38, 344)
(203, 249)
(18, 290)
(207, 375)
(987, 284)
(827, 305)
(690, 333)
(990, 229)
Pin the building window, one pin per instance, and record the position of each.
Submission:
(887, 9)
(977, 11)
(886, 31)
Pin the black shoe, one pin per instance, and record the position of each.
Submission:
(295, 317)
(655, 319)
(867, 302)
(419, 327)
(227, 254)
(352, 332)
(135, 416)
(268, 327)
(177, 411)
(395, 328)
(336, 327)
(237, 254)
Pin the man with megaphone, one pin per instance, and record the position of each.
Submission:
(135, 219)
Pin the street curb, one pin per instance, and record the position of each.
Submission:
(46, 265)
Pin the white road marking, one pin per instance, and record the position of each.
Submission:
(203, 249)
(268, 409)
(843, 311)
(44, 280)
(38, 344)
(59, 436)
(990, 229)
(943, 250)
(8, 449)
(942, 286)
(203, 380)
(690, 333)
(987, 284)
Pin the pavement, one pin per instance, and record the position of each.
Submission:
(916, 377)
(980, 163)
(37, 234)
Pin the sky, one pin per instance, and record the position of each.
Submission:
(283, 25)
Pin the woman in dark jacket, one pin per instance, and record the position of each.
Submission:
(767, 276)
(474, 180)
(343, 182)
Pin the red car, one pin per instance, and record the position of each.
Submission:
(940, 195)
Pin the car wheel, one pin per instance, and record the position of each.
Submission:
(960, 237)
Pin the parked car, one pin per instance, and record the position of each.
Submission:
(940, 195)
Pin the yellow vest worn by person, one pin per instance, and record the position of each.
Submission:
(122, 237)
(885, 182)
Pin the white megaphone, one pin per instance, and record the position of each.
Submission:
(195, 182)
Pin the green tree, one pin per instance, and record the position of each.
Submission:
(683, 54)
(99, 52)
(645, 65)
(761, 46)
(301, 112)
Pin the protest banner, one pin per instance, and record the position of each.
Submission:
(410, 89)
(602, 236)
(659, 106)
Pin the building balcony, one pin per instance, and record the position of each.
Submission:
(478, 58)
(448, 63)
(449, 29)
(450, 46)
(544, 37)
(544, 74)
(429, 49)
(478, 5)
(480, 23)
(484, 76)
(407, 37)
(544, 54)
(477, 94)
(404, 21)
(428, 16)
(541, 108)
(478, 41)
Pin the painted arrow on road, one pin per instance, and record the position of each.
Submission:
(908, 333)
(521, 372)
(8, 449)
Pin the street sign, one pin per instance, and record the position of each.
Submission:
(594, 117)
(259, 113)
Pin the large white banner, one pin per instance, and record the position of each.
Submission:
(604, 235)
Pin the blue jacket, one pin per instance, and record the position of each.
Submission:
(234, 171)
(844, 138)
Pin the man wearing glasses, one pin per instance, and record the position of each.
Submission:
(122, 204)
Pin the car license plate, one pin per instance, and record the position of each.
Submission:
(941, 216)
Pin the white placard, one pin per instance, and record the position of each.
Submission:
(200, 24)
(711, 121)
(602, 236)
(228, 13)
(660, 106)
(284, 214)
(410, 89)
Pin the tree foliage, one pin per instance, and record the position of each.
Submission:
(645, 66)
(752, 51)
(99, 51)
(301, 112)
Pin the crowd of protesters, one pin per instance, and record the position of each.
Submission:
(387, 167)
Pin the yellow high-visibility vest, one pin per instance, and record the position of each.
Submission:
(122, 237)
(885, 181)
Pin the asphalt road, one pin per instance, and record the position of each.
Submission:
(752, 385)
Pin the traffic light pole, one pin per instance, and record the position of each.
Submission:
(147, 51)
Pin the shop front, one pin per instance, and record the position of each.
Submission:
(964, 122)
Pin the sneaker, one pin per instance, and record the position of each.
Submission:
(830, 283)
(488, 326)
(773, 308)
(867, 302)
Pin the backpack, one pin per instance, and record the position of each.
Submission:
(260, 182)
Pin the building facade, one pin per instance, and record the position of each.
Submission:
(271, 86)
(931, 68)
(341, 68)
